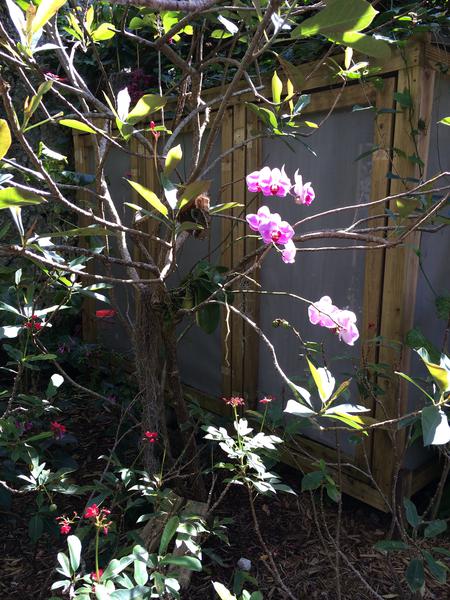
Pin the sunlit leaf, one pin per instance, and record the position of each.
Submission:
(46, 10)
(173, 157)
(5, 138)
(277, 88)
(78, 125)
(13, 197)
(147, 105)
(338, 16)
(105, 31)
(150, 197)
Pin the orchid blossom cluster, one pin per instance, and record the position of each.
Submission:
(270, 226)
(326, 314)
(273, 230)
(275, 182)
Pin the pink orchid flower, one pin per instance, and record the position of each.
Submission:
(303, 192)
(275, 230)
(262, 216)
(323, 313)
(289, 252)
(271, 182)
(347, 330)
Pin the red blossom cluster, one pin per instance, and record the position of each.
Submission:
(266, 400)
(105, 313)
(234, 401)
(151, 437)
(100, 517)
(97, 576)
(58, 429)
(33, 323)
(65, 523)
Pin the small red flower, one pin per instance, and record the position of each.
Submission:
(266, 400)
(151, 436)
(54, 76)
(65, 523)
(58, 429)
(94, 575)
(234, 401)
(92, 512)
(155, 133)
(33, 323)
(105, 313)
(105, 530)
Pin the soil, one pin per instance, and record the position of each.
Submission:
(306, 563)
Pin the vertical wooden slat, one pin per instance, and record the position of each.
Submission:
(226, 252)
(238, 250)
(401, 265)
(374, 260)
(253, 153)
(81, 160)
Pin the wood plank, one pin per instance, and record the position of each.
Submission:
(238, 249)
(227, 247)
(251, 302)
(374, 259)
(401, 265)
(81, 163)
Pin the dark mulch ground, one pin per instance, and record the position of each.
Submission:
(287, 524)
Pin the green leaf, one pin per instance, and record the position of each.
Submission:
(13, 197)
(137, 593)
(435, 427)
(391, 546)
(267, 116)
(169, 531)
(222, 591)
(5, 138)
(312, 481)
(412, 516)
(445, 121)
(323, 379)
(439, 374)
(193, 190)
(46, 10)
(140, 572)
(337, 16)
(150, 197)
(302, 103)
(173, 157)
(437, 569)
(39, 357)
(32, 105)
(404, 98)
(35, 528)
(64, 564)
(74, 545)
(363, 43)
(435, 528)
(415, 576)
(146, 105)
(105, 31)
(78, 125)
(226, 206)
(79, 232)
(186, 562)
(277, 88)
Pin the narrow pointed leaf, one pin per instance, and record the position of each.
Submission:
(5, 138)
(150, 197)
(46, 10)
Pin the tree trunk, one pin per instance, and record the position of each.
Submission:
(155, 344)
(149, 357)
